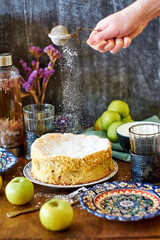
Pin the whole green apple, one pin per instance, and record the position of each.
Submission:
(111, 132)
(119, 106)
(1, 182)
(56, 215)
(97, 125)
(109, 117)
(19, 191)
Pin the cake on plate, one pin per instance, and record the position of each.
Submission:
(70, 159)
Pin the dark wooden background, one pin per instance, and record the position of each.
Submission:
(85, 80)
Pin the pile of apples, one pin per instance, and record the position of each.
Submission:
(117, 113)
(55, 214)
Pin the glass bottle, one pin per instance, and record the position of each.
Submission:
(11, 119)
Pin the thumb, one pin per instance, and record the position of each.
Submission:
(137, 31)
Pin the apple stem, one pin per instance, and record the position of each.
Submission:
(54, 204)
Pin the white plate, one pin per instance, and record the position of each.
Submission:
(27, 174)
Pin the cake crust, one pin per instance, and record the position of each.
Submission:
(55, 159)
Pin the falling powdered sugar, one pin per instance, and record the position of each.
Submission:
(71, 94)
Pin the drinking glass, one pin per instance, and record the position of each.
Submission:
(145, 138)
(38, 120)
(145, 152)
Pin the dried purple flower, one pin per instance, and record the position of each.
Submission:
(47, 73)
(64, 124)
(36, 51)
(37, 79)
(52, 52)
(32, 77)
(40, 72)
(34, 64)
(27, 69)
(27, 86)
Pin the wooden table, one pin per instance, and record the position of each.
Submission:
(85, 225)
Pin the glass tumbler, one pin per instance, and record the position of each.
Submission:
(145, 138)
(145, 152)
(38, 120)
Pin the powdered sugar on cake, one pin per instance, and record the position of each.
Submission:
(71, 145)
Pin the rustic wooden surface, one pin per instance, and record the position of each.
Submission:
(85, 225)
(87, 85)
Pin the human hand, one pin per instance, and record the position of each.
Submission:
(117, 30)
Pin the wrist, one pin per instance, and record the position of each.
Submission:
(148, 9)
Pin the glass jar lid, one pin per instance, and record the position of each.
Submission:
(5, 59)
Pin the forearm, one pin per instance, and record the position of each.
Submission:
(149, 9)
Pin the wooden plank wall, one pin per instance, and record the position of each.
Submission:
(85, 80)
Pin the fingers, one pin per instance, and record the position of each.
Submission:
(99, 35)
(112, 45)
(104, 46)
(118, 45)
(98, 46)
(95, 38)
(90, 40)
(109, 46)
(126, 42)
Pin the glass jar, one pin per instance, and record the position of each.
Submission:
(11, 119)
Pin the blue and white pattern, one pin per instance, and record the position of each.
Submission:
(122, 201)
(7, 160)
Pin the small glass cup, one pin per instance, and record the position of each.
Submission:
(38, 120)
(145, 152)
(145, 138)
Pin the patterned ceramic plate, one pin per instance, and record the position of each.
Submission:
(122, 201)
(7, 160)
(27, 174)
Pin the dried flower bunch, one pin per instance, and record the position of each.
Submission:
(37, 77)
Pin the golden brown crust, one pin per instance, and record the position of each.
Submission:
(65, 170)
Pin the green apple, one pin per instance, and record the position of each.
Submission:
(109, 117)
(19, 191)
(127, 119)
(119, 106)
(56, 215)
(1, 182)
(111, 133)
(98, 125)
